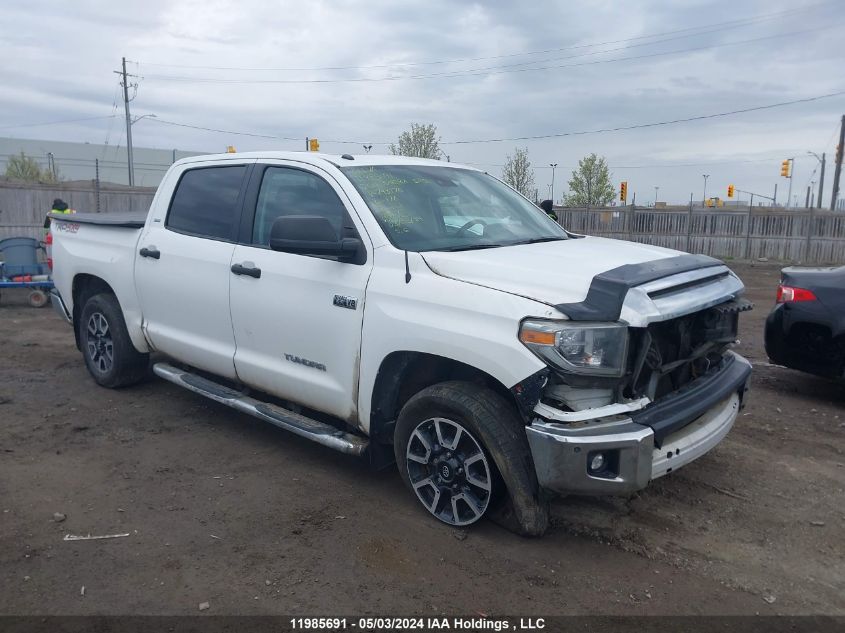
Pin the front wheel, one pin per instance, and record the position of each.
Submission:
(463, 452)
(449, 471)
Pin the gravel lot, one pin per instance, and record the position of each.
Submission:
(223, 509)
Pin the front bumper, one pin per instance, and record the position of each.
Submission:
(637, 453)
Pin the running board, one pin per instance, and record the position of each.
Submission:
(301, 425)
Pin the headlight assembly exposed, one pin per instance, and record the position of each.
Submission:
(597, 349)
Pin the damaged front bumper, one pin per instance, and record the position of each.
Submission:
(637, 442)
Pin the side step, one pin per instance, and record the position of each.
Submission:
(303, 426)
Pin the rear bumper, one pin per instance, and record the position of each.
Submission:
(635, 453)
(59, 305)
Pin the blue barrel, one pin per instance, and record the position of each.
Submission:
(20, 256)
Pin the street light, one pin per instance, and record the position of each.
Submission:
(129, 149)
(368, 148)
(553, 165)
(143, 116)
(821, 177)
(656, 189)
(704, 199)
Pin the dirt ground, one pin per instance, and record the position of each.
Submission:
(224, 509)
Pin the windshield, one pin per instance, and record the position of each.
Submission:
(429, 208)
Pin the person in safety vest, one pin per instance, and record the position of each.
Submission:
(59, 206)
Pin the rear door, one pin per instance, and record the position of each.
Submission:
(182, 269)
(298, 325)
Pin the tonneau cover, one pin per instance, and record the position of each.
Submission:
(131, 220)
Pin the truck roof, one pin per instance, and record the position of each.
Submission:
(319, 158)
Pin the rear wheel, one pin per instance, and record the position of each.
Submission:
(111, 358)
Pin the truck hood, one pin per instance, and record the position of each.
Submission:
(549, 272)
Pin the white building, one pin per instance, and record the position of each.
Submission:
(78, 161)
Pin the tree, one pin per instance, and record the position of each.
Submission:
(518, 173)
(590, 184)
(420, 141)
(26, 168)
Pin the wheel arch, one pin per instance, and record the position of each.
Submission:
(83, 287)
(403, 374)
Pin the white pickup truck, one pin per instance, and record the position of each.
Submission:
(412, 311)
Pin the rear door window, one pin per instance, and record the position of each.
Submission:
(205, 203)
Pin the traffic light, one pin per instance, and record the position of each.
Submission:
(784, 168)
(623, 191)
(230, 149)
(731, 190)
(313, 145)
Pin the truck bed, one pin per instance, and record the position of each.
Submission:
(131, 220)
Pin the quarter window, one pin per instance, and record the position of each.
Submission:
(205, 202)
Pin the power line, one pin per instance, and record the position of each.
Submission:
(523, 138)
(252, 134)
(719, 25)
(648, 125)
(492, 70)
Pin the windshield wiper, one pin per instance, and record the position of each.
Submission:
(537, 240)
(470, 247)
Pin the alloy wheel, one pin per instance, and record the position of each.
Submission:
(99, 343)
(449, 471)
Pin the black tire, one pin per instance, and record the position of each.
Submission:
(111, 358)
(491, 422)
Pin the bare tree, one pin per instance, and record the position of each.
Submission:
(420, 141)
(26, 168)
(590, 184)
(518, 173)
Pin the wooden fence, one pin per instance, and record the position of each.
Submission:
(24, 205)
(806, 236)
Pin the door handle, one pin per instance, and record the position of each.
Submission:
(240, 269)
(150, 252)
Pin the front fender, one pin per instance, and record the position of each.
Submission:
(431, 314)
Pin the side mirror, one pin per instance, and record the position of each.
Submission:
(547, 206)
(311, 235)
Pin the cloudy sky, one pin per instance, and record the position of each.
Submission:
(361, 71)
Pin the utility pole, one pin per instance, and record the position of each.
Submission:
(807, 201)
(553, 165)
(704, 198)
(838, 169)
(125, 83)
(775, 197)
(791, 174)
(97, 182)
(821, 184)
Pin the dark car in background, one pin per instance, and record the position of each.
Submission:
(806, 329)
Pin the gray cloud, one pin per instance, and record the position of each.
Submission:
(59, 59)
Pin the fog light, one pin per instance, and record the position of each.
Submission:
(597, 462)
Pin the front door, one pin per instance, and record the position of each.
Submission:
(298, 325)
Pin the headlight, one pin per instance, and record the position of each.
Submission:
(582, 348)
